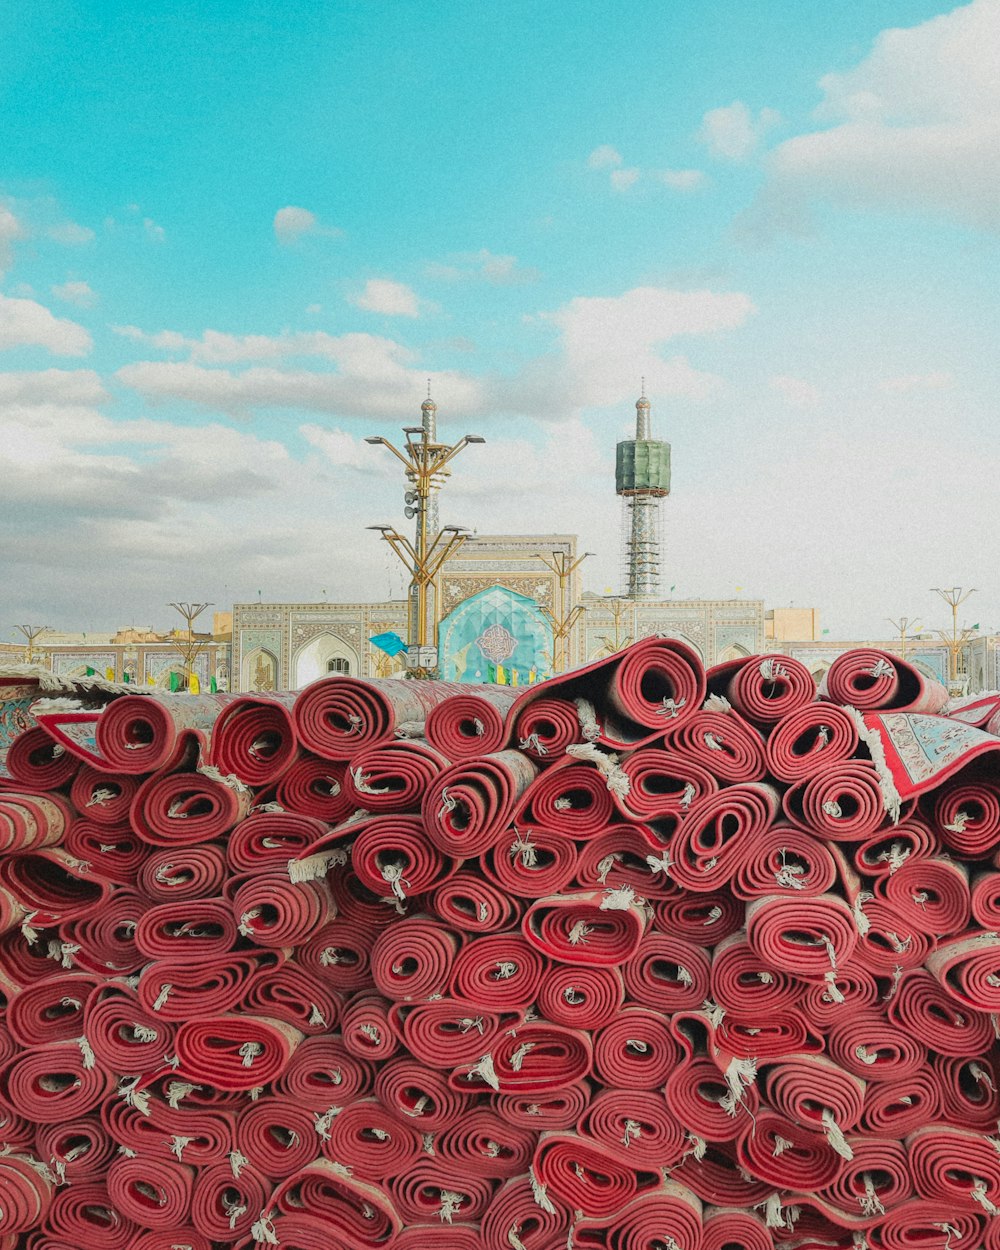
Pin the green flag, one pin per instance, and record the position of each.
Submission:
(213, 685)
(175, 682)
(491, 672)
(125, 677)
(90, 672)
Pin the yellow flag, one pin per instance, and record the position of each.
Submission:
(194, 685)
(532, 676)
(109, 673)
(501, 675)
(513, 676)
(150, 679)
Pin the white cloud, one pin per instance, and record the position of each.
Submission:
(916, 127)
(682, 179)
(733, 132)
(65, 387)
(796, 392)
(292, 223)
(25, 323)
(79, 293)
(11, 231)
(70, 234)
(314, 309)
(907, 383)
(622, 179)
(604, 157)
(610, 343)
(484, 265)
(154, 232)
(392, 299)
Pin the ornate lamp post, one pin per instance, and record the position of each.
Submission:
(563, 617)
(189, 646)
(954, 597)
(30, 632)
(904, 626)
(425, 462)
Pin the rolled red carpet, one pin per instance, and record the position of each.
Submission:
(421, 1096)
(272, 911)
(271, 838)
(414, 959)
(115, 852)
(472, 723)
(140, 733)
(544, 728)
(866, 1044)
(819, 1095)
(83, 1146)
(725, 744)
(485, 1144)
(501, 971)
(469, 904)
(224, 1206)
(234, 1052)
(336, 717)
(590, 928)
(296, 995)
(889, 940)
(449, 1033)
(468, 806)
(919, 1224)
(668, 973)
(539, 1059)
(531, 864)
(30, 820)
(558, 1109)
(367, 1029)
(315, 787)
(885, 851)
(581, 998)
(340, 955)
(701, 918)
(177, 991)
(933, 894)
(54, 885)
(125, 1037)
(969, 969)
(198, 928)
(584, 1175)
(663, 784)
(321, 1072)
(807, 739)
(27, 1195)
(895, 1108)
(763, 688)
(393, 857)
(277, 1135)
(670, 1211)
(635, 1051)
(254, 738)
(50, 1010)
(805, 937)
(84, 1215)
(786, 860)
(515, 1213)
(373, 1143)
(155, 1193)
(954, 1166)
(52, 1083)
(181, 873)
(727, 1227)
(851, 987)
(966, 813)
(570, 799)
(874, 1181)
(745, 983)
(842, 803)
(970, 1090)
(787, 1156)
(185, 808)
(104, 942)
(625, 855)
(103, 798)
(36, 760)
(869, 679)
(699, 1100)
(718, 834)
(428, 1189)
(639, 1127)
(392, 777)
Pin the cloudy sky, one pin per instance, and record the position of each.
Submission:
(235, 239)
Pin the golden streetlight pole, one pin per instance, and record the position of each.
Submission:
(189, 646)
(425, 462)
(620, 639)
(562, 623)
(954, 596)
(30, 632)
(903, 627)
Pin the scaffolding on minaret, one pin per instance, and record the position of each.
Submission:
(642, 479)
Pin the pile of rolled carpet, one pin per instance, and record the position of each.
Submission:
(640, 958)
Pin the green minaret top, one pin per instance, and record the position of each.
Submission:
(642, 464)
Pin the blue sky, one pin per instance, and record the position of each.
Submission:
(236, 238)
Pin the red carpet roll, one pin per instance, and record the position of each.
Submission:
(533, 863)
(294, 994)
(851, 987)
(931, 893)
(84, 1215)
(889, 940)
(718, 834)
(321, 1072)
(966, 813)
(546, 727)
(668, 973)
(869, 679)
(50, 1010)
(581, 998)
(183, 809)
(155, 1193)
(842, 803)
(354, 901)
(83, 1146)
(502, 971)
(921, 1008)
(371, 1142)
(340, 955)
(468, 903)
(970, 1090)
(922, 1225)
(431, 1189)
(629, 855)
(805, 937)
(786, 1155)
(872, 1048)
(271, 839)
(700, 1100)
(584, 1175)
(572, 799)
(234, 1052)
(336, 717)
(315, 787)
(875, 1180)
(366, 1028)
(895, 1108)
(115, 852)
(414, 958)
(254, 738)
(763, 688)
(593, 928)
(635, 1051)
(176, 991)
(180, 873)
(728, 1227)
(54, 885)
(198, 928)
(277, 1136)
(224, 1207)
(104, 942)
(807, 739)
(486, 1145)
(700, 918)
(35, 760)
(515, 1213)
(540, 1058)
(559, 1109)
(52, 1083)
(985, 899)
(30, 821)
(886, 851)
(955, 1166)
(637, 1126)
(670, 1211)
(27, 1195)
(419, 1096)
(786, 860)
(744, 983)
(969, 969)
(103, 798)
(819, 1095)
(449, 1033)
(393, 856)
(471, 723)
(124, 1037)
(729, 747)
(662, 783)
(770, 1037)
(467, 807)
(139, 733)
(392, 777)
(273, 911)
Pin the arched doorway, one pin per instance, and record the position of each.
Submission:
(312, 661)
(495, 626)
(735, 652)
(260, 671)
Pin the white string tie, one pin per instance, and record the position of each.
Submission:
(392, 874)
(234, 1210)
(237, 1162)
(833, 809)
(506, 968)
(316, 1017)
(881, 668)
(835, 1136)
(523, 846)
(132, 1096)
(660, 863)
(450, 1203)
(861, 921)
(467, 1023)
(687, 796)
(448, 804)
(245, 927)
(485, 1070)
(781, 1144)
(869, 1201)
(619, 899)
(533, 743)
(633, 1130)
(740, 1075)
(101, 797)
(578, 934)
(361, 783)
(177, 1145)
(714, 914)
(163, 995)
(178, 1090)
(519, 1055)
(866, 1056)
(539, 1194)
(263, 1230)
(563, 805)
(587, 715)
(87, 1051)
(714, 742)
(771, 669)
(250, 1051)
(513, 1238)
(572, 997)
(671, 708)
(832, 992)
(605, 866)
(322, 1121)
(978, 1194)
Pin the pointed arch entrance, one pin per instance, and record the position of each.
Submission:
(322, 656)
(495, 626)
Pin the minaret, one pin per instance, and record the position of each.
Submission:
(428, 419)
(642, 478)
